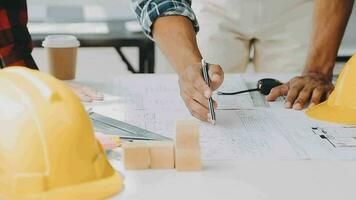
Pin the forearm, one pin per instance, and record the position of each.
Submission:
(330, 20)
(17, 55)
(173, 25)
(176, 38)
(16, 43)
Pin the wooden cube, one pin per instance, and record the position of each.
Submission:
(188, 159)
(136, 155)
(161, 154)
(187, 134)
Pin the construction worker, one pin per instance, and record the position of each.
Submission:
(280, 32)
(16, 44)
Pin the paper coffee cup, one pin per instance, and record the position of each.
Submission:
(62, 55)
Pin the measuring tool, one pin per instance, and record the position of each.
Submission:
(264, 86)
(126, 131)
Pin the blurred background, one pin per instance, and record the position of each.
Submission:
(113, 9)
(111, 26)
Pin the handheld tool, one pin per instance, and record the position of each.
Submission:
(264, 86)
(126, 131)
(205, 67)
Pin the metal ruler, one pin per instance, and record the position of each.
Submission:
(127, 131)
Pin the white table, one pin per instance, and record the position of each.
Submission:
(277, 180)
(273, 180)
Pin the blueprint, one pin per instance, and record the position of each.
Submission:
(244, 130)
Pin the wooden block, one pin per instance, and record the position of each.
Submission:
(161, 154)
(136, 155)
(187, 134)
(188, 159)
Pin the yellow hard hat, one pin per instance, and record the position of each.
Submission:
(47, 144)
(341, 104)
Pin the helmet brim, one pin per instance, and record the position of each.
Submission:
(332, 113)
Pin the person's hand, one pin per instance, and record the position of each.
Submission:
(85, 93)
(313, 87)
(195, 92)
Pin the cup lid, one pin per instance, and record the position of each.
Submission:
(60, 41)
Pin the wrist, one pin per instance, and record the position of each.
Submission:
(317, 74)
(321, 61)
(189, 62)
(323, 69)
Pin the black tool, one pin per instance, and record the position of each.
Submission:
(264, 86)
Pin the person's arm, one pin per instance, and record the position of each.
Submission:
(173, 26)
(16, 45)
(315, 84)
(176, 38)
(15, 40)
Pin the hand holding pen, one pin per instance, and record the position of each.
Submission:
(194, 90)
(205, 69)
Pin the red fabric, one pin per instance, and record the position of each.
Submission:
(15, 40)
(4, 21)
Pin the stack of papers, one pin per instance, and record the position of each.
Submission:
(246, 129)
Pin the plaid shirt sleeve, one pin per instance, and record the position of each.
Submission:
(15, 40)
(147, 11)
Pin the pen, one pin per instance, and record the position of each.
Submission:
(205, 67)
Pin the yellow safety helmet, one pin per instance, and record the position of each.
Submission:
(47, 144)
(341, 104)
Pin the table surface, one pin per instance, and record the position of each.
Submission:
(273, 180)
(247, 180)
(117, 31)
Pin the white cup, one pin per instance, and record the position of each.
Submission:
(62, 55)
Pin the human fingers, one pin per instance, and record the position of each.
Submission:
(303, 97)
(216, 75)
(277, 92)
(293, 92)
(197, 110)
(200, 86)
